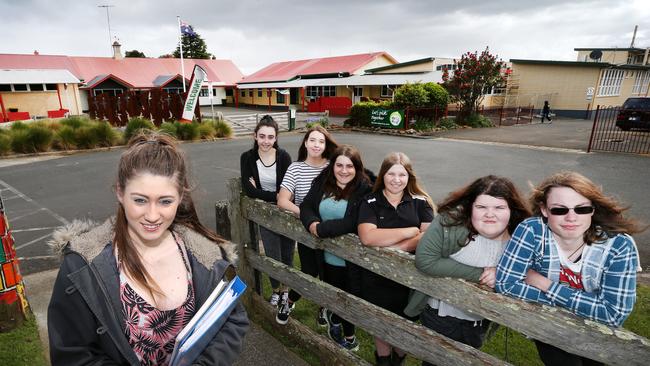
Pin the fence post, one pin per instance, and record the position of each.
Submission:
(500, 115)
(593, 128)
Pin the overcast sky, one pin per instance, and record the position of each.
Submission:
(255, 33)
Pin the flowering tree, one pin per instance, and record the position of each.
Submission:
(474, 75)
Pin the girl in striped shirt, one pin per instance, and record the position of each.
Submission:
(316, 148)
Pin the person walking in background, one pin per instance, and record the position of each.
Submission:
(127, 288)
(262, 170)
(465, 241)
(316, 148)
(576, 253)
(394, 215)
(331, 209)
(546, 112)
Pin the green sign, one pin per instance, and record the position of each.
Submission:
(387, 118)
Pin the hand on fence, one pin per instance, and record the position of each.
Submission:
(533, 278)
(488, 277)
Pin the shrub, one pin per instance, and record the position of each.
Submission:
(360, 112)
(65, 138)
(323, 122)
(16, 126)
(74, 122)
(86, 137)
(187, 131)
(135, 125)
(40, 137)
(423, 124)
(477, 121)
(207, 131)
(168, 128)
(222, 128)
(106, 135)
(5, 143)
(447, 123)
(20, 141)
(411, 95)
(438, 96)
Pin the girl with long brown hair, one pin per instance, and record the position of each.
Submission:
(126, 288)
(395, 214)
(576, 253)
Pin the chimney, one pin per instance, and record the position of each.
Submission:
(117, 51)
(36, 53)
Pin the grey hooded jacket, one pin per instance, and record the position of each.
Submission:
(85, 320)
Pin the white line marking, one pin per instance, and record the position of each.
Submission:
(33, 229)
(530, 147)
(15, 218)
(18, 193)
(33, 241)
(10, 198)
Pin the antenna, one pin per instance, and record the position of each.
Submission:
(634, 36)
(108, 19)
(596, 55)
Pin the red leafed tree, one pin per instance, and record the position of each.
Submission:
(474, 75)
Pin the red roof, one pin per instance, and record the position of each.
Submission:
(287, 70)
(139, 72)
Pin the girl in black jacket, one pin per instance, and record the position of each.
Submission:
(262, 170)
(330, 209)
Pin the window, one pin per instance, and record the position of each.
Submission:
(243, 93)
(250, 93)
(386, 91)
(168, 90)
(50, 87)
(641, 82)
(259, 92)
(610, 82)
(203, 93)
(36, 87)
(279, 98)
(229, 92)
(5, 87)
(20, 87)
(115, 92)
(313, 91)
(329, 91)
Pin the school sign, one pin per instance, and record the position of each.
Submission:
(387, 118)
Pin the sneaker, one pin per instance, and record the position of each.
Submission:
(275, 298)
(350, 344)
(323, 317)
(335, 332)
(284, 309)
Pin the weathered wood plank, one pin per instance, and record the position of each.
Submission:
(222, 224)
(328, 352)
(239, 232)
(411, 337)
(551, 325)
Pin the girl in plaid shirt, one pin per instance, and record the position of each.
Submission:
(576, 252)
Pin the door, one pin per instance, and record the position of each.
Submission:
(358, 93)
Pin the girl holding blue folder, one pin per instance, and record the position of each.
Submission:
(126, 288)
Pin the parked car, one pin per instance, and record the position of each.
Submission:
(634, 114)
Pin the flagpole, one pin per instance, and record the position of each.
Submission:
(180, 42)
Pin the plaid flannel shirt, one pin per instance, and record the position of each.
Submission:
(608, 273)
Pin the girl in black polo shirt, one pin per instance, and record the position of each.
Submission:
(395, 215)
(262, 169)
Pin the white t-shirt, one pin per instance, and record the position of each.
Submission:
(298, 178)
(267, 175)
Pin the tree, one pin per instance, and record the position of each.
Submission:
(134, 53)
(193, 47)
(418, 95)
(167, 55)
(473, 75)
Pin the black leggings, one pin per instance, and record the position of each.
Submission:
(552, 356)
(338, 277)
(311, 263)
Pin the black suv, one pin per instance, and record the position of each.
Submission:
(635, 113)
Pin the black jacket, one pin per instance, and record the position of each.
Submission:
(248, 167)
(331, 228)
(85, 320)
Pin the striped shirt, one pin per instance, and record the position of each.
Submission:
(298, 178)
(608, 273)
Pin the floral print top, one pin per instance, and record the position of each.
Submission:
(152, 332)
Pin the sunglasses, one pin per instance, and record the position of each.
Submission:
(579, 210)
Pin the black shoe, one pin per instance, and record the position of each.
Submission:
(395, 359)
(323, 317)
(284, 310)
(382, 360)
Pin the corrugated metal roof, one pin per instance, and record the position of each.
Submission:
(287, 70)
(140, 72)
(354, 80)
(23, 76)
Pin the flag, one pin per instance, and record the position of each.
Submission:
(198, 76)
(187, 29)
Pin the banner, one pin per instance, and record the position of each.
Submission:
(386, 118)
(198, 76)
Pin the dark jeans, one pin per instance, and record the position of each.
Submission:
(338, 277)
(279, 248)
(311, 263)
(552, 356)
(465, 331)
(545, 115)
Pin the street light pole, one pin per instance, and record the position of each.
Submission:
(108, 19)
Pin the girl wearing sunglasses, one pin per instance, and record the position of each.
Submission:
(577, 253)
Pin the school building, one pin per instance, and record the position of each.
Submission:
(36, 85)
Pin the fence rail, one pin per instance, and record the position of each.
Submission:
(549, 324)
(607, 136)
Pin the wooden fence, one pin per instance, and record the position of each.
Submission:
(556, 326)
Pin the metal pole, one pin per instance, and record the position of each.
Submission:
(108, 19)
(180, 43)
(593, 129)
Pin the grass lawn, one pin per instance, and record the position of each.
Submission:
(515, 348)
(21, 346)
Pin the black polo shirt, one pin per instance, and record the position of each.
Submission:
(412, 211)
